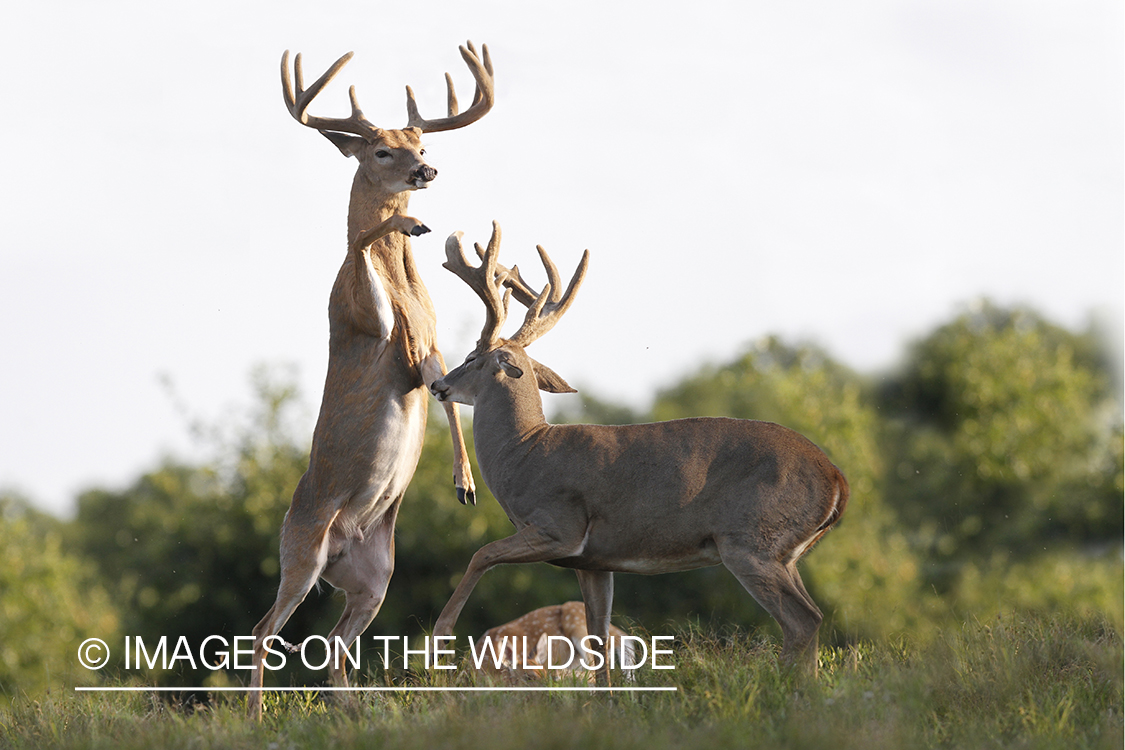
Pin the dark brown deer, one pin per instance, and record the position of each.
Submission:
(381, 357)
(648, 498)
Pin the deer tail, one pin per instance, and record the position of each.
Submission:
(839, 504)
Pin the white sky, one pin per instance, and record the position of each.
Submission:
(849, 173)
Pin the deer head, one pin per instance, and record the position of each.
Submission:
(389, 160)
(499, 363)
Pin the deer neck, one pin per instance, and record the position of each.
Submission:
(506, 424)
(370, 205)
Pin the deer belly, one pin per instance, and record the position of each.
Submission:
(394, 446)
(646, 557)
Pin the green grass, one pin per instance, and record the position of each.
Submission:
(1019, 682)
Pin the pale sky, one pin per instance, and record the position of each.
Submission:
(852, 174)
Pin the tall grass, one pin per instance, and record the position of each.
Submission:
(1021, 682)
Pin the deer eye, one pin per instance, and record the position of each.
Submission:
(382, 154)
(422, 152)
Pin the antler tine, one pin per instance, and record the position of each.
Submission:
(487, 60)
(515, 282)
(520, 289)
(483, 97)
(297, 100)
(549, 306)
(451, 96)
(486, 280)
(552, 274)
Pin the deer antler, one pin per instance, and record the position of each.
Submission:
(483, 96)
(486, 280)
(543, 309)
(519, 288)
(550, 305)
(298, 101)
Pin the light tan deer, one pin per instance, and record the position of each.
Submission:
(528, 636)
(381, 356)
(648, 498)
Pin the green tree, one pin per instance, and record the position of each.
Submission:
(593, 410)
(191, 550)
(1007, 438)
(49, 605)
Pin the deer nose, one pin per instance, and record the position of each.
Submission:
(425, 173)
(439, 389)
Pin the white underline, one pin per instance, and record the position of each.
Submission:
(370, 689)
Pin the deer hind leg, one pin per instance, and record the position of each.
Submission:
(363, 574)
(304, 553)
(780, 592)
(791, 567)
(597, 595)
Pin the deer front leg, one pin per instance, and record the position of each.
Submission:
(370, 304)
(597, 595)
(529, 544)
(433, 368)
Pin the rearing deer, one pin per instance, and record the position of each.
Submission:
(381, 356)
(648, 498)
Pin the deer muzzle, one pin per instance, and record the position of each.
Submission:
(440, 390)
(422, 175)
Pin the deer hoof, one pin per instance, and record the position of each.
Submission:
(419, 230)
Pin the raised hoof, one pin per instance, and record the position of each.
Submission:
(469, 495)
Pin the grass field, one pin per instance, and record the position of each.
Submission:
(1020, 682)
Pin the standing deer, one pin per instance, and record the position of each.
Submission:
(648, 498)
(381, 356)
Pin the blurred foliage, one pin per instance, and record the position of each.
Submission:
(192, 550)
(49, 604)
(1004, 435)
(584, 407)
(986, 477)
(1083, 585)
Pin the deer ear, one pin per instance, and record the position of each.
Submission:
(508, 366)
(349, 145)
(548, 380)
(541, 649)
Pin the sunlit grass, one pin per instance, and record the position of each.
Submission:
(1028, 682)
